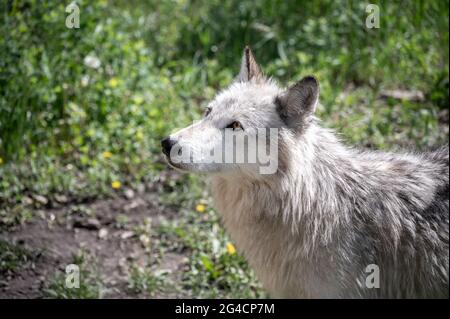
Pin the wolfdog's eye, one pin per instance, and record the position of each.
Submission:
(235, 126)
(207, 111)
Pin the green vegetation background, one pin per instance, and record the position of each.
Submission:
(83, 108)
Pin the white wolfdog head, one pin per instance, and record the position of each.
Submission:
(242, 126)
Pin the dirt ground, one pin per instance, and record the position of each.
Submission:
(55, 235)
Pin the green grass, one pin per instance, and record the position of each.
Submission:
(149, 282)
(214, 271)
(12, 257)
(160, 63)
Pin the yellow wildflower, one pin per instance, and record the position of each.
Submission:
(138, 99)
(107, 154)
(116, 184)
(139, 135)
(113, 82)
(231, 249)
(200, 208)
(1, 161)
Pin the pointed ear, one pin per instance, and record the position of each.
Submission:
(249, 68)
(298, 102)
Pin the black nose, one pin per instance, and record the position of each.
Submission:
(166, 145)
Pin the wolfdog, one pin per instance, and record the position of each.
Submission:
(331, 221)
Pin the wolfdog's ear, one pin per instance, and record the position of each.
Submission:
(298, 101)
(249, 68)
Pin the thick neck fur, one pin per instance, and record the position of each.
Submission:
(324, 199)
